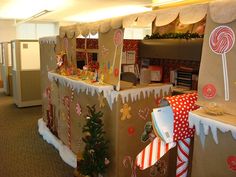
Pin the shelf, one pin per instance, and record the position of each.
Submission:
(181, 49)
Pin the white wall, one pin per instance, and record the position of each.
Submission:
(7, 30)
(137, 33)
(36, 30)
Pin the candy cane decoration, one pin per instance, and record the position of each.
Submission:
(50, 108)
(221, 41)
(152, 153)
(183, 147)
(66, 102)
(181, 105)
(128, 159)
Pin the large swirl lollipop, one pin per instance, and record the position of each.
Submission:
(118, 39)
(221, 41)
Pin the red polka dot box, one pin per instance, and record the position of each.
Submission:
(171, 122)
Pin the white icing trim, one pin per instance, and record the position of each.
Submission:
(66, 154)
(108, 91)
(49, 40)
(196, 120)
(135, 94)
(81, 86)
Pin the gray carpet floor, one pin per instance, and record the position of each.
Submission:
(23, 152)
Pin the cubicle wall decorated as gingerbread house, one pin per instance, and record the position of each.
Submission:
(67, 91)
(126, 112)
(215, 123)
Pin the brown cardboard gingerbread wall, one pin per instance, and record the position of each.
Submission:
(217, 78)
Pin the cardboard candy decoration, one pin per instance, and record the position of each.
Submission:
(171, 124)
(152, 153)
(66, 102)
(231, 161)
(118, 40)
(209, 91)
(221, 41)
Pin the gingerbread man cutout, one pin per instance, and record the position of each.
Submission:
(125, 112)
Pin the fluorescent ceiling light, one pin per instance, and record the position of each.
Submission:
(33, 17)
(107, 13)
(164, 2)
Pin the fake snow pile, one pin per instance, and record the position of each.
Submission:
(66, 154)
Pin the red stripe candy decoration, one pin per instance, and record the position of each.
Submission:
(183, 147)
(152, 153)
(221, 39)
(66, 102)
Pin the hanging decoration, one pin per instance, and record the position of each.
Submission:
(101, 100)
(125, 111)
(221, 41)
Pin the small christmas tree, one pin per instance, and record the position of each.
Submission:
(94, 158)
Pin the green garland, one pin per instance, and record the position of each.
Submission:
(174, 36)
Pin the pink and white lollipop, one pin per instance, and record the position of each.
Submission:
(221, 41)
(118, 40)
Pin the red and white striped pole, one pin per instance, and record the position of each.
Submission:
(67, 105)
(183, 147)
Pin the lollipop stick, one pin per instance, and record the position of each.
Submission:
(225, 73)
(114, 59)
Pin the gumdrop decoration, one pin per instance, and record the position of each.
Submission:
(231, 161)
(131, 131)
